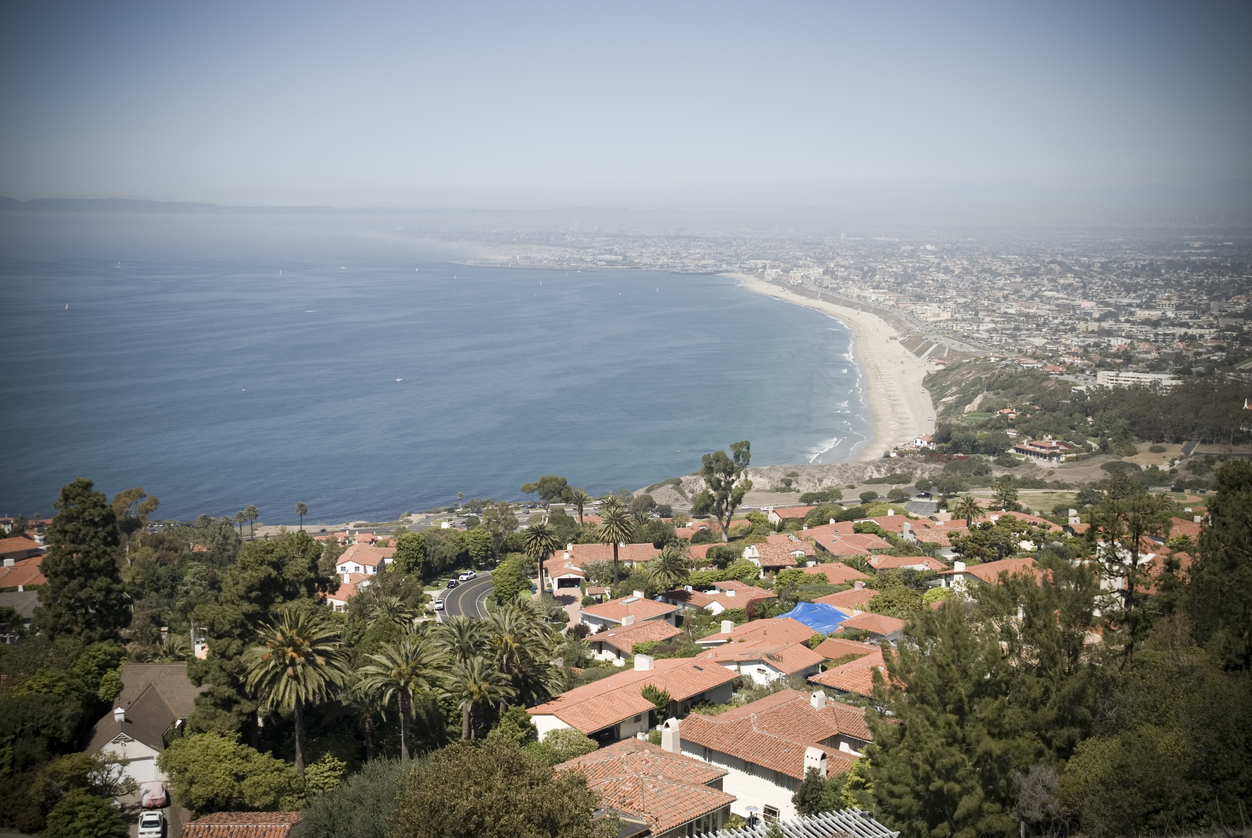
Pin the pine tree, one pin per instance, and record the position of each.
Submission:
(84, 596)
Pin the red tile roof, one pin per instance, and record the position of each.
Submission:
(853, 599)
(990, 572)
(242, 825)
(641, 779)
(854, 676)
(365, 555)
(790, 513)
(19, 547)
(616, 698)
(24, 572)
(624, 638)
(730, 594)
(641, 608)
(580, 554)
(874, 623)
(836, 573)
(833, 648)
(888, 562)
(777, 631)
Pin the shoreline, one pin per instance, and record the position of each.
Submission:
(901, 407)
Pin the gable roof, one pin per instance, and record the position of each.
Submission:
(365, 555)
(616, 698)
(854, 676)
(833, 648)
(642, 779)
(729, 594)
(19, 544)
(776, 631)
(624, 638)
(836, 573)
(853, 599)
(153, 695)
(879, 624)
(990, 572)
(242, 825)
(890, 562)
(24, 573)
(617, 610)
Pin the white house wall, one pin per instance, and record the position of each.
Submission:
(750, 784)
(142, 766)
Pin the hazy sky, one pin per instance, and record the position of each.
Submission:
(698, 105)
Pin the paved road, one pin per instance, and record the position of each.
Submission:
(468, 598)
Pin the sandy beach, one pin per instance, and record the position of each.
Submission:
(901, 406)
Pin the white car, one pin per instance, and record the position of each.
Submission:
(439, 605)
(151, 824)
(468, 575)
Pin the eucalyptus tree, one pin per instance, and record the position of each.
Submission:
(302, 509)
(476, 683)
(616, 527)
(538, 541)
(725, 484)
(967, 507)
(297, 661)
(251, 513)
(400, 670)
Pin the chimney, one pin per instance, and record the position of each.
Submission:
(858, 584)
(9, 562)
(671, 740)
(958, 566)
(643, 663)
(832, 522)
(687, 588)
(638, 594)
(728, 626)
(907, 531)
(628, 619)
(819, 700)
(730, 592)
(119, 714)
(1199, 519)
(890, 512)
(815, 758)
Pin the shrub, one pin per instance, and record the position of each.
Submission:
(1157, 449)
(868, 496)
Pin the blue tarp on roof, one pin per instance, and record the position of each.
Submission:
(822, 618)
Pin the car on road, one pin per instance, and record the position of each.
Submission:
(468, 575)
(452, 583)
(151, 824)
(439, 605)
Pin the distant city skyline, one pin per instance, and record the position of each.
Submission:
(698, 106)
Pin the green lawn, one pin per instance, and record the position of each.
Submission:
(976, 418)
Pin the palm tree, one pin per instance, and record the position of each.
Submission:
(241, 518)
(250, 515)
(524, 645)
(670, 569)
(538, 541)
(396, 610)
(616, 527)
(297, 661)
(302, 509)
(579, 499)
(461, 638)
(967, 507)
(398, 671)
(474, 683)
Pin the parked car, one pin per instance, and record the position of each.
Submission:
(151, 824)
(452, 583)
(468, 575)
(154, 796)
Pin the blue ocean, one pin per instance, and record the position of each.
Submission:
(250, 358)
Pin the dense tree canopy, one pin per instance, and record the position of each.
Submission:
(725, 484)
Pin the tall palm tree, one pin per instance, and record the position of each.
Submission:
(524, 646)
(302, 509)
(579, 498)
(670, 569)
(966, 506)
(616, 527)
(475, 683)
(461, 638)
(397, 672)
(297, 661)
(241, 518)
(538, 541)
(396, 610)
(250, 515)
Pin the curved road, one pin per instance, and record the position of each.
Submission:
(468, 598)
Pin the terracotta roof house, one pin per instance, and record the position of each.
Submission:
(626, 610)
(242, 825)
(878, 625)
(881, 562)
(777, 515)
(836, 573)
(850, 601)
(21, 574)
(349, 585)
(563, 569)
(771, 558)
(831, 540)
(613, 708)
(155, 698)
(722, 596)
(766, 746)
(19, 547)
(855, 677)
(674, 795)
(988, 573)
(766, 661)
(615, 645)
(363, 559)
(776, 630)
(834, 648)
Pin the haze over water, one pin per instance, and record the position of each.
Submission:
(223, 361)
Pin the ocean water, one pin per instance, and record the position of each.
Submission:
(221, 361)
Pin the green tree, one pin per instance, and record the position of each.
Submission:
(241, 518)
(499, 520)
(495, 792)
(410, 554)
(479, 545)
(250, 514)
(1005, 496)
(564, 744)
(539, 541)
(82, 814)
(967, 507)
(817, 794)
(298, 662)
(84, 596)
(474, 684)
(209, 772)
(461, 638)
(361, 807)
(725, 484)
(549, 488)
(302, 509)
(1221, 590)
(132, 508)
(398, 672)
(578, 498)
(669, 569)
(509, 579)
(616, 528)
